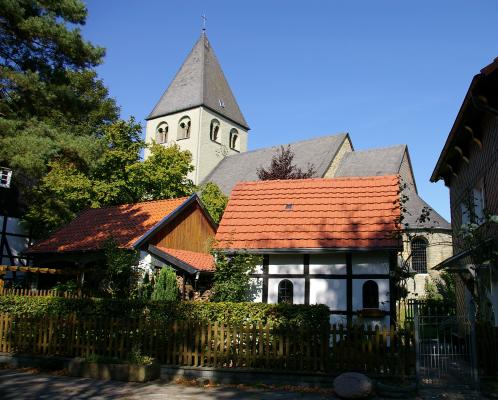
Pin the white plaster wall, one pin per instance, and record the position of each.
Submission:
(338, 319)
(332, 292)
(17, 244)
(206, 154)
(327, 264)
(370, 263)
(383, 293)
(286, 264)
(257, 284)
(298, 289)
(210, 152)
(384, 322)
(191, 144)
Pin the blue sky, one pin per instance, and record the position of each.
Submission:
(387, 72)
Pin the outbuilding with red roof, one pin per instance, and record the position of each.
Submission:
(323, 241)
(174, 232)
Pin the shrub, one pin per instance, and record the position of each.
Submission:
(166, 287)
(281, 315)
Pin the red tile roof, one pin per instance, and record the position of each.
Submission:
(199, 261)
(125, 223)
(348, 212)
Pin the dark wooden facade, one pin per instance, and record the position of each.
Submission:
(190, 231)
(470, 160)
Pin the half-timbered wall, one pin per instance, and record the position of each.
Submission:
(333, 279)
(189, 231)
(13, 241)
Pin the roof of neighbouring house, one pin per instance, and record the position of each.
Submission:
(319, 152)
(184, 258)
(338, 213)
(200, 81)
(126, 224)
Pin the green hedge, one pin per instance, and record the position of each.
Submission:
(305, 316)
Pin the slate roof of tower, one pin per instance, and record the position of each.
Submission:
(336, 213)
(241, 167)
(200, 81)
(387, 161)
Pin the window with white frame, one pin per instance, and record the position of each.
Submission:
(184, 128)
(214, 130)
(5, 177)
(285, 292)
(234, 139)
(162, 133)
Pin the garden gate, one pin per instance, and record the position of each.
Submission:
(445, 347)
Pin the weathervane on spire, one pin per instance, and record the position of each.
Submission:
(204, 19)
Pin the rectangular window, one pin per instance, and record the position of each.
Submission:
(478, 200)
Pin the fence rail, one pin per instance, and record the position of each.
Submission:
(187, 343)
(39, 293)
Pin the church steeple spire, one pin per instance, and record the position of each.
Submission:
(200, 82)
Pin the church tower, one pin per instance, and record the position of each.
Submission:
(199, 112)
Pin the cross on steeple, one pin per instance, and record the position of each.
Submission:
(204, 19)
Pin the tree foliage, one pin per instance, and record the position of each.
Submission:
(441, 288)
(166, 288)
(114, 175)
(214, 200)
(282, 167)
(232, 281)
(52, 105)
(120, 274)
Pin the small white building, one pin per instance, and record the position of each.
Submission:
(323, 241)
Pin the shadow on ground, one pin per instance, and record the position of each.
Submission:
(24, 385)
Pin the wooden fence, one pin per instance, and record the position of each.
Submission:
(185, 343)
(39, 293)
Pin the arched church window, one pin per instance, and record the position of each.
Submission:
(234, 139)
(214, 130)
(184, 128)
(370, 294)
(162, 132)
(419, 255)
(285, 292)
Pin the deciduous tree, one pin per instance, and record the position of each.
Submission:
(282, 167)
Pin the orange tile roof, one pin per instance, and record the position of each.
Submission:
(125, 223)
(199, 261)
(352, 212)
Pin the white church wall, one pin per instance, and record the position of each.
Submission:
(206, 153)
(212, 152)
(191, 144)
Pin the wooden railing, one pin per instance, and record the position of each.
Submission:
(184, 343)
(39, 293)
